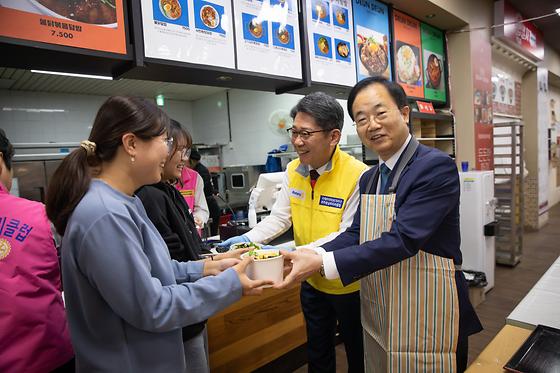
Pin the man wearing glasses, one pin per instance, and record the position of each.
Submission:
(404, 244)
(319, 196)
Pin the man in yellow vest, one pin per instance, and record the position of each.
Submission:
(404, 244)
(319, 197)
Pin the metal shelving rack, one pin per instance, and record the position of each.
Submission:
(509, 191)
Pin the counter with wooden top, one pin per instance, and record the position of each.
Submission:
(255, 331)
(498, 352)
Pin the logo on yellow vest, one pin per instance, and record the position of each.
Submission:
(4, 248)
(300, 194)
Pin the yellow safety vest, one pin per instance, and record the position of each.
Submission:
(317, 213)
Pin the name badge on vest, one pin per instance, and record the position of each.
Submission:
(299, 194)
(331, 202)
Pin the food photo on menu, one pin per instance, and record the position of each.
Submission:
(171, 11)
(434, 70)
(101, 12)
(340, 16)
(254, 28)
(281, 3)
(373, 55)
(208, 16)
(408, 68)
(342, 50)
(322, 45)
(283, 35)
(320, 11)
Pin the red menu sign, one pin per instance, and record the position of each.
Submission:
(523, 36)
(96, 25)
(481, 58)
(425, 107)
(408, 58)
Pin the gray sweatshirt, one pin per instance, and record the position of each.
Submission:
(126, 299)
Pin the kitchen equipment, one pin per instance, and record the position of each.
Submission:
(477, 222)
(239, 180)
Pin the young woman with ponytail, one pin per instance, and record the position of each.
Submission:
(126, 299)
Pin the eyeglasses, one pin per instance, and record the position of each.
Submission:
(169, 142)
(304, 135)
(185, 153)
(364, 120)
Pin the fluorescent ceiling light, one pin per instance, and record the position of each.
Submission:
(558, 11)
(104, 77)
(33, 110)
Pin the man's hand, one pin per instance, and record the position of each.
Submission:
(250, 287)
(215, 267)
(303, 263)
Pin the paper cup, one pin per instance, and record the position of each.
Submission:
(266, 269)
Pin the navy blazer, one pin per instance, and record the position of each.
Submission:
(427, 218)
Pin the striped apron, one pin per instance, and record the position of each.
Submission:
(410, 310)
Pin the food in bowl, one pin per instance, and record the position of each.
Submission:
(408, 70)
(283, 36)
(321, 10)
(342, 49)
(209, 16)
(170, 9)
(259, 254)
(255, 28)
(323, 45)
(98, 12)
(246, 245)
(373, 55)
(340, 17)
(434, 71)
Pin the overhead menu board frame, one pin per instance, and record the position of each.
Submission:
(373, 39)
(329, 41)
(73, 55)
(418, 91)
(152, 68)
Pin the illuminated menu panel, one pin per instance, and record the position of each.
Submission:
(84, 24)
(433, 58)
(267, 37)
(408, 57)
(330, 39)
(192, 31)
(372, 39)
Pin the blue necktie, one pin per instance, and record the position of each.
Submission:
(384, 172)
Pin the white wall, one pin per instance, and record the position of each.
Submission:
(251, 135)
(206, 119)
(72, 120)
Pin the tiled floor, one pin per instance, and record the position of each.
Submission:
(511, 284)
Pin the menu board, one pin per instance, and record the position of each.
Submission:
(91, 25)
(372, 39)
(433, 58)
(408, 57)
(330, 39)
(267, 37)
(193, 31)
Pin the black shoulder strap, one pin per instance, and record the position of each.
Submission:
(403, 161)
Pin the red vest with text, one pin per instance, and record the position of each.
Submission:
(33, 330)
(188, 179)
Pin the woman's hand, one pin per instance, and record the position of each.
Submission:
(232, 254)
(250, 287)
(215, 267)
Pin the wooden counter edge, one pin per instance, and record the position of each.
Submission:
(498, 352)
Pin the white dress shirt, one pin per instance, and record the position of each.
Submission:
(329, 264)
(200, 209)
(280, 218)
